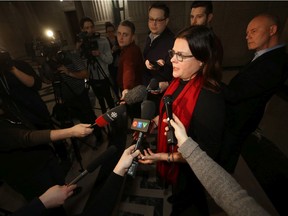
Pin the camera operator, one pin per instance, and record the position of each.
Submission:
(97, 51)
(22, 84)
(71, 72)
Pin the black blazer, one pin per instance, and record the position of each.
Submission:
(103, 203)
(249, 91)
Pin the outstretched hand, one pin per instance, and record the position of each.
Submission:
(126, 160)
(56, 195)
(81, 130)
(150, 157)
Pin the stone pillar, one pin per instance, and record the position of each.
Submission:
(137, 12)
(100, 12)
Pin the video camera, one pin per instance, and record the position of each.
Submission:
(54, 58)
(89, 43)
(58, 59)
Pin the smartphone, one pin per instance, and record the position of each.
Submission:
(154, 90)
(155, 65)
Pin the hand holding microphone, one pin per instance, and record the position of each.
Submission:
(153, 86)
(179, 128)
(171, 139)
(135, 95)
(141, 125)
(80, 130)
(109, 116)
(126, 160)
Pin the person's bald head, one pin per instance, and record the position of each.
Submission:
(262, 32)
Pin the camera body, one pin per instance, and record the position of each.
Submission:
(89, 43)
(53, 60)
(58, 59)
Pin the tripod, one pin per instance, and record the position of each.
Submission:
(92, 60)
(62, 114)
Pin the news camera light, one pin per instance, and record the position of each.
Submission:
(49, 33)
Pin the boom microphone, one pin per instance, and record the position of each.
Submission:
(109, 116)
(147, 113)
(135, 95)
(171, 139)
(104, 157)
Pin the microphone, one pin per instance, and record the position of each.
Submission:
(142, 125)
(135, 95)
(103, 158)
(171, 139)
(109, 116)
(153, 86)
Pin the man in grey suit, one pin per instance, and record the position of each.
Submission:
(249, 91)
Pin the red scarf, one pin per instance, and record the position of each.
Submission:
(183, 107)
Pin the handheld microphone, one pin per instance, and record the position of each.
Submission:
(135, 95)
(109, 116)
(171, 139)
(153, 86)
(142, 125)
(104, 157)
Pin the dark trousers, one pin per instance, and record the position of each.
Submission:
(80, 107)
(231, 149)
(101, 89)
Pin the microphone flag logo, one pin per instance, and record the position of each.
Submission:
(140, 124)
(114, 115)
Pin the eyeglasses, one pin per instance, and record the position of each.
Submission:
(156, 20)
(179, 56)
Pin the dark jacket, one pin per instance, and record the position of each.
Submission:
(27, 99)
(102, 204)
(249, 91)
(27, 161)
(158, 49)
(208, 121)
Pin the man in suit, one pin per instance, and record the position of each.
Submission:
(249, 91)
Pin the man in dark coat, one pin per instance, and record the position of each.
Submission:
(249, 91)
(159, 41)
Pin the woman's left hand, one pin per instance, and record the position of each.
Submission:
(150, 157)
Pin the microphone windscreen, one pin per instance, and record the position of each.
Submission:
(101, 121)
(153, 85)
(110, 115)
(167, 99)
(103, 158)
(135, 95)
(147, 109)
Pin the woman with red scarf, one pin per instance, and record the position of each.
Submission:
(199, 104)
